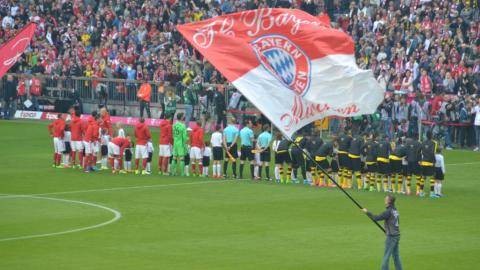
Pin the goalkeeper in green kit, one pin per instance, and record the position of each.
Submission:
(180, 139)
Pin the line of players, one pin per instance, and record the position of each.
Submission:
(374, 164)
(178, 147)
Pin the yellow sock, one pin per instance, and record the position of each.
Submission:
(409, 182)
(419, 180)
(393, 182)
(400, 182)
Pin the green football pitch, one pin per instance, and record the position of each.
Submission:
(66, 219)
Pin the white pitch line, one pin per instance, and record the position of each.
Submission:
(4, 196)
(466, 163)
(116, 216)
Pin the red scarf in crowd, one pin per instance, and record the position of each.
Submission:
(425, 84)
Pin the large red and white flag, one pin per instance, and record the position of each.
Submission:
(13, 49)
(292, 66)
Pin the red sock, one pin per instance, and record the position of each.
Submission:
(86, 161)
(194, 168)
(59, 159)
(94, 160)
(200, 166)
(144, 163)
(136, 163)
(112, 163)
(73, 155)
(55, 159)
(120, 163)
(160, 164)
(165, 164)
(80, 158)
(91, 160)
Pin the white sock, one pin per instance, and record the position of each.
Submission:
(148, 166)
(187, 173)
(115, 164)
(104, 162)
(219, 169)
(277, 173)
(439, 189)
(255, 171)
(129, 165)
(214, 169)
(205, 170)
(309, 176)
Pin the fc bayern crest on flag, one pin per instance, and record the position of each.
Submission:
(285, 61)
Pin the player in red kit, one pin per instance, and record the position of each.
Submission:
(116, 147)
(142, 135)
(90, 139)
(81, 154)
(165, 147)
(197, 145)
(77, 144)
(57, 129)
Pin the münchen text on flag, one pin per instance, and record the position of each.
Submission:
(292, 66)
(13, 49)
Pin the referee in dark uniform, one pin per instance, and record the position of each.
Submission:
(247, 141)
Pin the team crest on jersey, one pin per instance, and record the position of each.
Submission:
(285, 61)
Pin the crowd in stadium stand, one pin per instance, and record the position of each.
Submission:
(425, 53)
